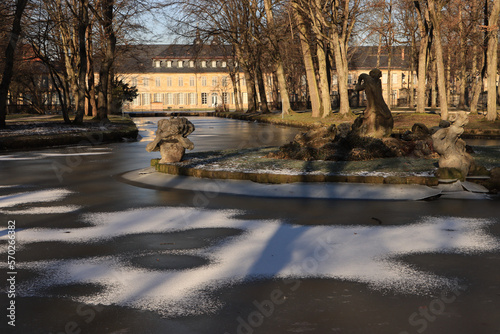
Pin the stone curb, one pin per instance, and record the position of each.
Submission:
(284, 178)
(44, 141)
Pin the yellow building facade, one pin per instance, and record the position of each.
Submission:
(183, 77)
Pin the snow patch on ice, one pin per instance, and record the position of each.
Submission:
(40, 196)
(43, 210)
(267, 249)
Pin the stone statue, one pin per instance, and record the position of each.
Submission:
(451, 149)
(376, 120)
(171, 139)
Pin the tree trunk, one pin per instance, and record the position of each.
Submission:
(323, 79)
(389, 78)
(342, 73)
(90, 73)
(280, 72)
(492, 61)
(411, 83)
(309, 66)
(462, 72)
(262, 89)
(478, 80)
(106, 75)
(425, 29)
(441, 81)
(251, 91)
(232, 75)
(434, 91)
(9, 59)
(83, 22)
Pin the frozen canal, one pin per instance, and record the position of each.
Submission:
(94, 254)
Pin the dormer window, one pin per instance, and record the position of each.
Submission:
(157, 63)
(169, 63)
(224, 64)
(191, 63)
(180, 64)
(203, 63)
(214, 63)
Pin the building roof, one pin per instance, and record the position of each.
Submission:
(141, 58)
(365, 58)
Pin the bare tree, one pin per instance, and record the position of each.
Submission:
(312, 84)
(9, 58)
(280, 71)
(492, 59)
(435, 8)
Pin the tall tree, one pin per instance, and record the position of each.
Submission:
(9, 58)
(105, 14)
(435, 8)
(492, 60)
(312, 83)
(425, 30)
(83, 23)
(280, 72)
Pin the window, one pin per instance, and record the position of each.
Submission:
(181, 81)
(191, 63)
(214, 81)
(349, 79)
(136, 101)
(224, 64)
(203, 63)
(157, 97)
(191, 81)
(394, 78)
(146, 98)
(204, 81)
(180, 98)
(214, 63)
(157, 63)
(170, 98)
(180, 64)
(169, 63)
(204, 98)
(169, 81)
(158, 81)
(225, 98)
(192, 99)
(245, 98)
(134, 82)
(146, 82)
(335, 80)
(224, 81)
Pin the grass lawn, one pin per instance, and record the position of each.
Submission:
(402, 120)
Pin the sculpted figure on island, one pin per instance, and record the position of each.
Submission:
(171, 139)
(450, 147)
(376, 120)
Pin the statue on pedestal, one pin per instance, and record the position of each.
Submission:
(376, 121)
(451, 149)
(171, 139)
